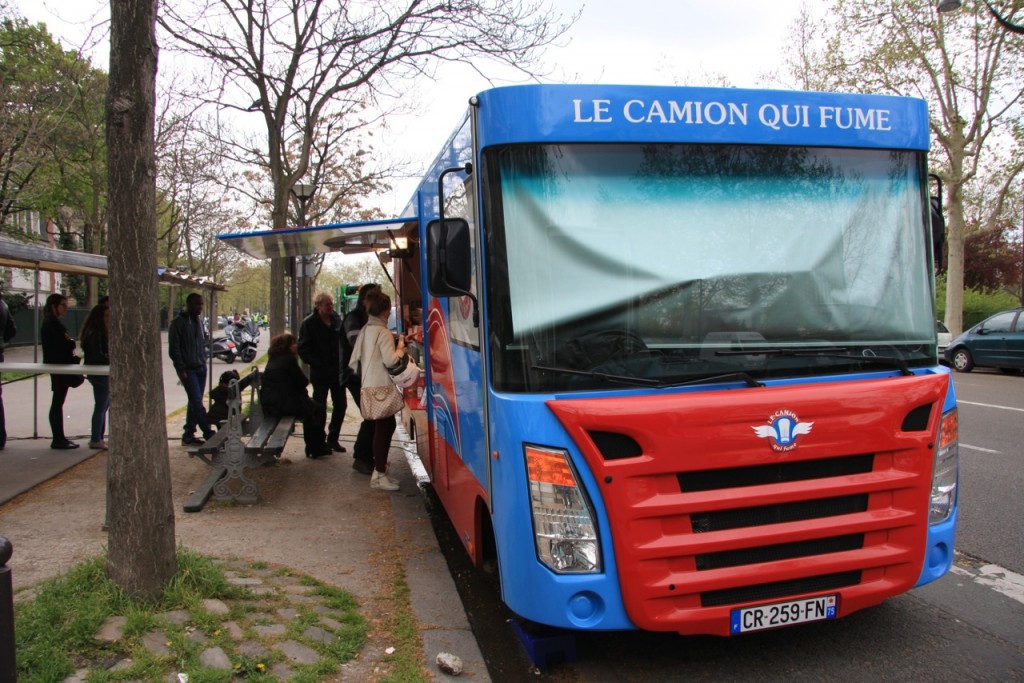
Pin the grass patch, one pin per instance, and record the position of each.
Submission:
(406, 666)
(55, 632)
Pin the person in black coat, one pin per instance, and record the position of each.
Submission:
(59, 348)
(320, 347)
(95, 339)
(283, 392)
(187, 343)
(7, 332)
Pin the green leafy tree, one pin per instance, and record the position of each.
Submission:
(248, 288)
(969, 70)
(33, 106)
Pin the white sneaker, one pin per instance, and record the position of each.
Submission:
(382, 482)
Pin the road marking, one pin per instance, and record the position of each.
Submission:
(979, 448)
(995, 577)
(990, 405)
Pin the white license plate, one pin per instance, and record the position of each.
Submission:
(782, 614)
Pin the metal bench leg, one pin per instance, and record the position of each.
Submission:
(236, 485)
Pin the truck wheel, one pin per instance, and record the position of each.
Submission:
(962, 360)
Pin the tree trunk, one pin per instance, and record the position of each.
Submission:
(141, 552)
(277, 311)
(955, 274)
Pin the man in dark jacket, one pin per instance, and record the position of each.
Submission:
(7, 332)
(320, 347)
(353, 322)
(187, 342)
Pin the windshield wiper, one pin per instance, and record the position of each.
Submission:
(621, 379)
(782, 351)
(888, 361)
(742, 376)
(646, 382)
(826, 352)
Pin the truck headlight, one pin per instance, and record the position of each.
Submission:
(947, 468)
(563, 524)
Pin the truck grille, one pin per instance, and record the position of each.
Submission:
(706, 516)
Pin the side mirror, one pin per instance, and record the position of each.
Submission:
(449, 266)
(938, 222)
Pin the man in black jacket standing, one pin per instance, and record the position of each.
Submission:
(187, 342)
(353, 322)
(7, 332)
(320, 347)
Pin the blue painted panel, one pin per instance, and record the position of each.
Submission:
(618, 113)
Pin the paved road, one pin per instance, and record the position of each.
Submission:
(21, 396)
(991, 467)
(28, 460)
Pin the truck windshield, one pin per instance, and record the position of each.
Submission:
(672, 263)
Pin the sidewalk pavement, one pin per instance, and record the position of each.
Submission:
(336, 548)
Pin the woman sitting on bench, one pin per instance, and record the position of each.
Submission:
(283, 392)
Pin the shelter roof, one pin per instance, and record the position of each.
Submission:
(358, 237)
(31, 256)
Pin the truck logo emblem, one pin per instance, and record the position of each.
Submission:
(783, 428)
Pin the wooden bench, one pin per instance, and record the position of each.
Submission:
(245, 441)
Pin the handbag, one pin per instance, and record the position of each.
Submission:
(403, 373)
(376, 403)
(73, 381)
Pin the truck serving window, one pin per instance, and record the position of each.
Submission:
(672, 263)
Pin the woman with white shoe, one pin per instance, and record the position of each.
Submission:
(373, 352)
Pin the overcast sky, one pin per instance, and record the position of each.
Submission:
(650, 42)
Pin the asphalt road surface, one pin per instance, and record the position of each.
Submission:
(969, 625)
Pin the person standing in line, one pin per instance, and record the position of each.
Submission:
(283, 392)
(374, 351)
(187, 344)
(320, 348)
(362, 460)
(7, 332)
(58, 348)
(94, 338)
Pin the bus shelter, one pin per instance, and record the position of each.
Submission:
(38, 258)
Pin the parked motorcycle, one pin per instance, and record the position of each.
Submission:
(224, 349)
(246, 336)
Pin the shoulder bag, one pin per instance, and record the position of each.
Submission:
(73, 381)
(376, 403)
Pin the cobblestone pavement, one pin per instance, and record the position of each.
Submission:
(285, 623)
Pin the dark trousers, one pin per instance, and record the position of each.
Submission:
(383, 430)
(60, 392)
(101, 396)
(364, 439)
(195, 416)
(3, 420)
(338, 407)
(312, 415)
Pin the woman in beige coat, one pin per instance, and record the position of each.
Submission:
(374, 350)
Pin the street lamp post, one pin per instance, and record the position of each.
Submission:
(300, 296)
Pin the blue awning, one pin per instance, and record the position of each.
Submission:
(348, 238)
